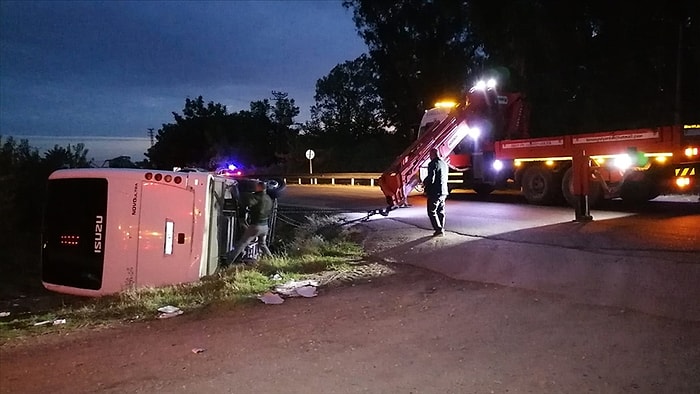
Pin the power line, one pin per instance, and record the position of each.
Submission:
(150, 134)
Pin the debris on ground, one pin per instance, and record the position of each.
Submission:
(169, 311)
(271, 298)
(198, 350)
(298, 288)
(307, 291)
(52, 322)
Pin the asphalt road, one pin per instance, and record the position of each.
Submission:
(643, 258)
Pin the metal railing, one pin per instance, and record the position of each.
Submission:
(350, 178)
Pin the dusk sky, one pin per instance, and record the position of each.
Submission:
(104, 72)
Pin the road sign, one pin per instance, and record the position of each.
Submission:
(310, 155)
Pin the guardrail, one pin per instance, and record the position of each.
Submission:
(356, 178)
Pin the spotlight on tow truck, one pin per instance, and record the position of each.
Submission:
(474, 133)
(482, 85)
(622, 162)
(497, 165)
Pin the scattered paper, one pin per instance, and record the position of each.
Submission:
(52, 322)
(169, 311)
(307, 291)
(291, 289)
(4, 314)
(271, 298)
(169, 315)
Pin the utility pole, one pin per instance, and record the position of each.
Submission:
(150, 134)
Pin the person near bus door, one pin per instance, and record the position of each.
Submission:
(436, 190)
(258, 205)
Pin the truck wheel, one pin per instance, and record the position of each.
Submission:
(483, 189)
(538, 186)
(274, 186)
(567, 189)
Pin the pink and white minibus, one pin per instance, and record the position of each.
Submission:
(109, 229)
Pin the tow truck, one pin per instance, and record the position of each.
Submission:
(486, 142)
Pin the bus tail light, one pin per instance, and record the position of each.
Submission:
(160, 177)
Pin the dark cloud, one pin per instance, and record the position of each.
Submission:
(119, 67)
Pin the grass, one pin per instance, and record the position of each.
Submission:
(318, 244)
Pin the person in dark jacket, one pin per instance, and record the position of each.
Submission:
(436, 190)
(258, 205)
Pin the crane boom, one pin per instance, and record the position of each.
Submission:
(401, 177)
(499, 115)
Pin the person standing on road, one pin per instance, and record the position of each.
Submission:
(258, 205)
(436, 190)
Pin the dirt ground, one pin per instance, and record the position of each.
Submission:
(408, 331)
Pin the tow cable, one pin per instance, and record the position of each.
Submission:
(328, 211)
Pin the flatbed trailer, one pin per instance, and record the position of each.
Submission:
(636, 164)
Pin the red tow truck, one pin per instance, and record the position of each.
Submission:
(487, 146)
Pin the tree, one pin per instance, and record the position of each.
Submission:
(347, 101)
(23, 176)
(589, 66)
(206, 135)
(349, 113)
(192, 139)
(283, 114)
(250, 137)
(422, 52)
(584, 65)
(68, 157)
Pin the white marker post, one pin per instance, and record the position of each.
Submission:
(310, 155)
